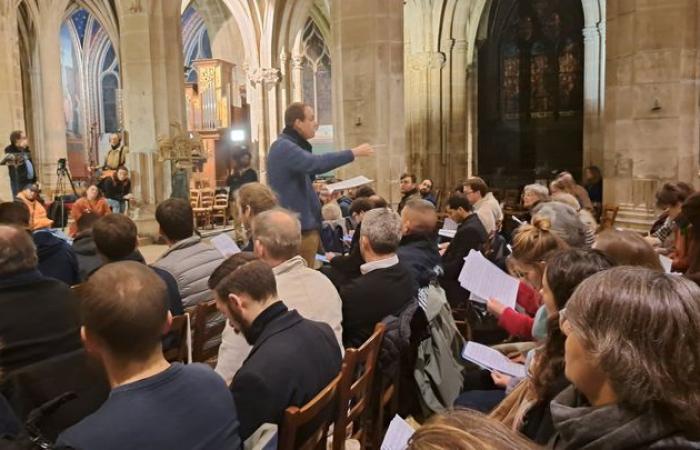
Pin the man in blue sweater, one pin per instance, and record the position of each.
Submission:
(291, 168)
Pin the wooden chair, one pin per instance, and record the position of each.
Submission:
(358, 374)
(195, 198)
(609, 216)
(206, 334)
(177, 336)
(204, 210)
(312, 419)
(220, 208)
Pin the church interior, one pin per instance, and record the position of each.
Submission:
(463, 193)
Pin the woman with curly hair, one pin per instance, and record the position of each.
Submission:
(632, 356)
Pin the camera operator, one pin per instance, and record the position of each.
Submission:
(20, 163)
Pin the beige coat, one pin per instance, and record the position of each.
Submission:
(308, 291)
(489, 211)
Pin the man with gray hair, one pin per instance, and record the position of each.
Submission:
(276, 241)
(386, 285)
(39, 317)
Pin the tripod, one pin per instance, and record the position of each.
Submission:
(62, 173)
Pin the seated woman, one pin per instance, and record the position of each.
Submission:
(533, 195)
(632, 357)
(627, 248)
(91, 202)
(665, 234)
(117, 190)
(527, 408)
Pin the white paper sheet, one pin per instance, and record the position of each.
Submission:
(321, 258)
(491, 359)
(449, 224)
(666, 263)
(225, 245)
(349, 184)
(485, 280)
(447, 233)
(398, 434)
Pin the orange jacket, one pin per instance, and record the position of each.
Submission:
(82, 206)
(37, 213)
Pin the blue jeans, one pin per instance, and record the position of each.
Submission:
(117, 206)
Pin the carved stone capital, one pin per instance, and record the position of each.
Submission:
(297, 62)
(264, 75)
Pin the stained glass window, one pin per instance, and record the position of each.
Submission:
(316, 74)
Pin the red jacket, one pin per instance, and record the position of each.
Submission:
(519, 324)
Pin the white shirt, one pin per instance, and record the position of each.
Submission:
(381, 264)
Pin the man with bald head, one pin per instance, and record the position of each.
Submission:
(418, 249)
(39, 316)
(277, 241)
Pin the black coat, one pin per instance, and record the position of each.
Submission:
(18, 174)
(86, 253)
(115, 189)
(39, 320)
(56, 257)
(471, 235)
(419, 253)
(371, 297)
(236, 180)
(292, 360)
(345, 268)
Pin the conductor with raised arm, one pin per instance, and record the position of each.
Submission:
(292, 166)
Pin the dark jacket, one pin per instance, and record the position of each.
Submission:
(430, 197)
(86, 253)
(419, 253)
(471, 235)
(289, 171)
(371, 297)
(236, 180)
(345, 268)
(537, 423)
(277, 374)
(19, 175)
(414, 194)
(115, 189)
(56, 257)
(581, 426)
(39, 320)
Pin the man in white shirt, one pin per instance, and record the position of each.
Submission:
(276, 240)
(485, 204)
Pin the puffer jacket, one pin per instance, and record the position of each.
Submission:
(191, 262)
(86, 252)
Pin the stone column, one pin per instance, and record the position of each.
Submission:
(153, 97)
(265, 114)
(368, 93)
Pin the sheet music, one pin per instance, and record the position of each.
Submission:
(349, 184)
(397, 435)
(449, 224)
(485, 280)
(225, 245)
(666, 263)
(491, 359)
(447, 233)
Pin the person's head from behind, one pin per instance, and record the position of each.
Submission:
(464, 429)
(124, 313)
(378, 201)
(627, 248)
(426, 186)
(632, 340)
(252, 199)
(532, 245)
(15, 213)
(244, 286)
(407, 183)
(92, 193)
(534, 194)
(670, 199)
(380, 234)
(87, 221)
(17, 251)
(115, 236)
(122, 174)
(301, 117)
(564, 222)
(592, 175)
(175, 219)
(459, 208)
(567, 199)
(475, 189)
(18, 139)
(359, 207)
(331, 211)
(115, 140)
(363, 192)
(276, 236)
(418, 217)
(565, 270)
(30, 192)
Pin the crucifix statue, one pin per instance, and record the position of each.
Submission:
(185, 151)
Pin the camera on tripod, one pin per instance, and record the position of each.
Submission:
(62, 166)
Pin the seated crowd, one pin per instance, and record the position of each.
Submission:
(606, 335)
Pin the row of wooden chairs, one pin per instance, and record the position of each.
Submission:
(205, 326)
(208, 206)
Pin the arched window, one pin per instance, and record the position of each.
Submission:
(316, 74)
(195, 41)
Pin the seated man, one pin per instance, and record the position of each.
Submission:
(38, 218)
(39, 316)
(292, 358)
(386, 285)
(277, 239)
(409, 190)
(153, 404)
(426, 191)
(471, 235)
(84, 246)
(116, 239)
(418, 249)
(189, 259)
(56, 257)
(485, 204)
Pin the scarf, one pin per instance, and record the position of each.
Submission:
(294, 135)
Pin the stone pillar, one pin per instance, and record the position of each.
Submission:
(368, 92)
(594, 81)
(153, 98)
(652, 116)
(265, 115)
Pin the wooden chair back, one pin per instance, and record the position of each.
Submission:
(194, 198)
(206, 333)
(318, 414)
(609, 216)
(206, 198)
(359, 369)
(178, 336)
(220, 207)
